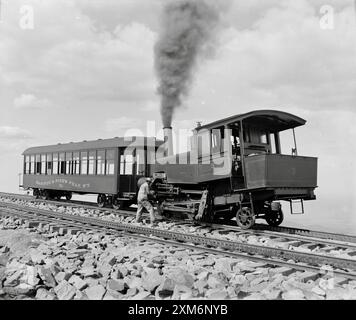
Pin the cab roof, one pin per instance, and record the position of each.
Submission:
(116, 142)
(272, 119)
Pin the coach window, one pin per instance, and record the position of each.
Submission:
(126, 163)
(110, 162)
(38, 164)
(27, 165)
(32, 165)
(76, 163)
(100, 163)
(49, 163)
(43, 164)
(69, 162)
(84, 163)
(62, 163)
(92, 158)
(55, 163)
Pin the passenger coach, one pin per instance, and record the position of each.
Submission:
(109, 168)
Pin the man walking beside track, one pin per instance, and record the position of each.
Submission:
(143, 202)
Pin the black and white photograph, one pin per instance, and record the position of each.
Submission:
(177, 156)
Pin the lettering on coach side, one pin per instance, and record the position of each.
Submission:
(61, 183)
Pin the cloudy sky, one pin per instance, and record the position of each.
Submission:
(83, 69)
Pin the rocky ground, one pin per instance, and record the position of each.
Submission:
(37, 264)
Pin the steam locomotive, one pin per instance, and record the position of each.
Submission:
(235, 169)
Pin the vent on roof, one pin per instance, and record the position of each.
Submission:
(84, 141)
(58, 144)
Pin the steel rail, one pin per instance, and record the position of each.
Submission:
(305, 257)
(239, 255)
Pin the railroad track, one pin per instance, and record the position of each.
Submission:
(297, 261)
(258, 229)
(264, 238)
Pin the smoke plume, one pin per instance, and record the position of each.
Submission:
(188, 27)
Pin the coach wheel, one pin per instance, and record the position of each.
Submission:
(101, 200)
(36, 193)
(69, 196)
(44, 195)
(117, 204)
(245, 218)
(275, 218)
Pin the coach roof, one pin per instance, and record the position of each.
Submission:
(95, 144)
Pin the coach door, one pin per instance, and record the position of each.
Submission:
(132, 168)
(127, 172)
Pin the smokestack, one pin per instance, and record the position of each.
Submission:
(187, 33)
(168, 141)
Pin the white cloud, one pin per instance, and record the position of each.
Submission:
(30, 101)
(8, 132)
(124, 126)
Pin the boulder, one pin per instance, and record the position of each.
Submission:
(3, 259)
(181, 277)
(215, 282)
(43, 294)
(21, 289)
(60, 276)
(216, 294)
(117, 285)
(30, 276)
(47, 277)
(77, 282)
(65, 291)
(14, 279)
(166, 288)
(151, 279)
(295, 294)
(134, 282)
(88, 272)
(36, 256)
(96, 292)
(158, 259)
(318, 290)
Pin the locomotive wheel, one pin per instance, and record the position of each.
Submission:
(245, 218)
(101, 200)
(275, 218)
(69, 196)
